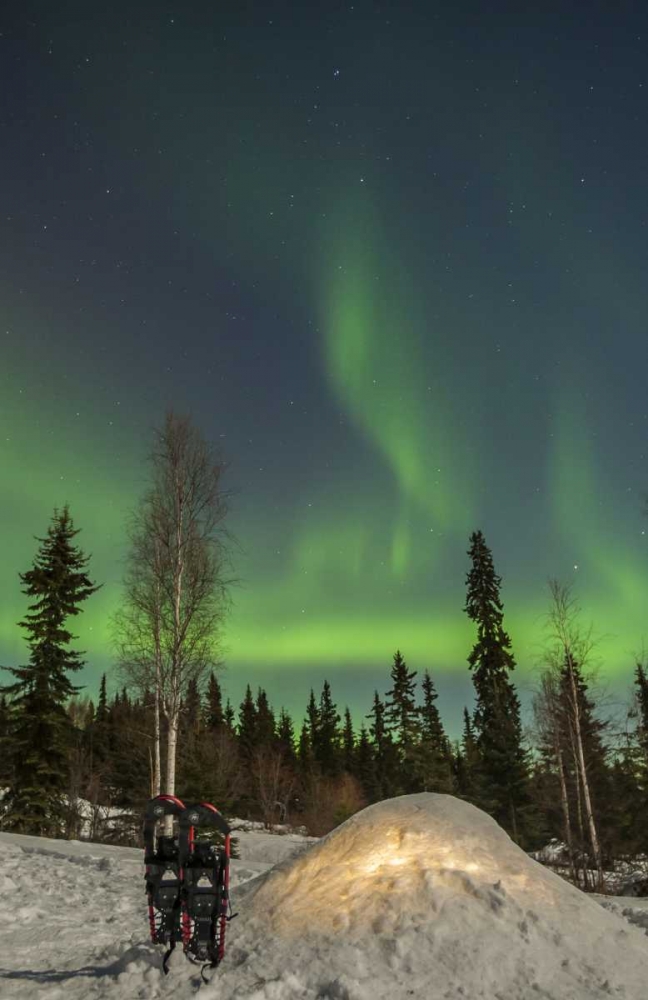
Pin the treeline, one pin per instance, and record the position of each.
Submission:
(256, 763)
(572, 775)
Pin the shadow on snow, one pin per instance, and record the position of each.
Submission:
(114, 968)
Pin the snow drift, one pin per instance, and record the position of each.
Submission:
(422, 896)
(425, 896)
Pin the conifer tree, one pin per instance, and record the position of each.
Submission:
(191, 708)
(5, 743)
(312, 725)
(286, 737)
(385, 753)
(504, 774)
(636, 761)
(247, 728)
(365, 766)
(101, 714)
(265, 720)
(228, 716)
(348, 743)
(627, 812)
(305, 758)
(214, 717)
(402, 719)
(434, 757)
(191, 755)
(641, 694)
(219, 777)
(99, 728)
(327, 746)
(467, 761)
(128, 752)
(40, 736)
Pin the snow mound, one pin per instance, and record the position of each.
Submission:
(425, 896)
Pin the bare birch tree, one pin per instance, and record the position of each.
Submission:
(176, 583)
(569, 651)
(548, 726)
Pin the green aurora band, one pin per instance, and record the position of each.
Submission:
(381, 375)
(356, 581)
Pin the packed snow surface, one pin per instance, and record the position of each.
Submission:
(421, 896)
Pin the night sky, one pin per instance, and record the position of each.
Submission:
(391, 258)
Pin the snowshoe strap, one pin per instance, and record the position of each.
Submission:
(156, 810)
(199, 815)
(167, 956)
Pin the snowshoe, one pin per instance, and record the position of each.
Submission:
(187, 880)
(163, 874)
(205, 884)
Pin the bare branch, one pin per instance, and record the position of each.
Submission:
(177, 579)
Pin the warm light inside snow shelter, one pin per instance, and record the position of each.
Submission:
(410, 856)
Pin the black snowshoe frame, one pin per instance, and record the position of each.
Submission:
(187, 879)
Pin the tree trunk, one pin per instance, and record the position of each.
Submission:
(172, 745)
(589, 812)
(565, 810)
(157, 624)
(157, 770)
(579, 804)
(176, 672)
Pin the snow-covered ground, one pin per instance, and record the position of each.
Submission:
(422, 896)
(74, 922)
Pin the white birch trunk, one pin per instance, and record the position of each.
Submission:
(157, 768)
(564, 800)
(157, 628)
(172, 746)
(580, 753)
(174, 712)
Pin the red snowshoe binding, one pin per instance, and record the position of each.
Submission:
(187, 880)
(205, 884)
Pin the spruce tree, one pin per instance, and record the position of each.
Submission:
(41, 731)
(191, 708)
(385, 753)
(434, 757)
(365, 766)
(214, 704)
(467, 761)
(101, 714)
(99, 729)
(641, 694)
(265, 720)
(129, 753)
(327, 748)
(247, 728)
(305, 758)
(286, 737)
(504, 773)
(625, 832)
(312, 726)
(402, 719)
(348, 743)
(229, 717)
(5, 743)
(192, 744)
(639, 754)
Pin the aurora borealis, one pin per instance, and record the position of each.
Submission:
(391, 258)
